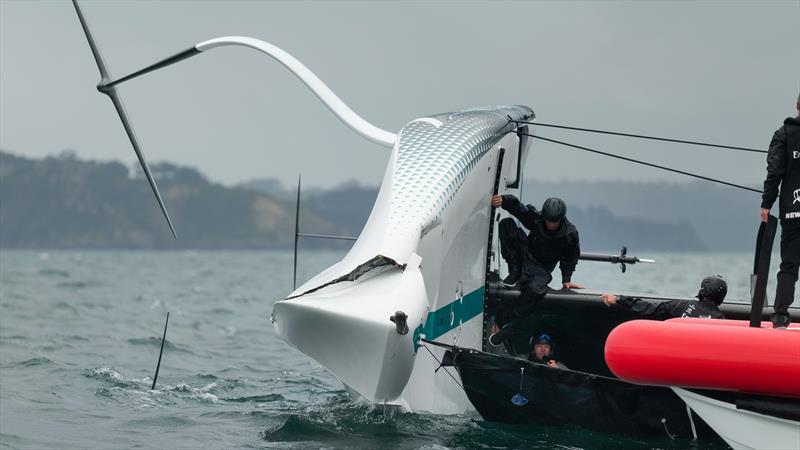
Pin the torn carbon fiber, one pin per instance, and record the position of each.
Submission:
(374, 266)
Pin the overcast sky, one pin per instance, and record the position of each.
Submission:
(726, 72)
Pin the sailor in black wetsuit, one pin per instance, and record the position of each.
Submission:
(542, 352)
(531, 257)
(783, 169)
(712, 292)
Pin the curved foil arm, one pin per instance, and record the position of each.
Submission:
(334, 103)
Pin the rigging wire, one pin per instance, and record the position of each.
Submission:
(442, 365)
(644, 163)
(641, 136)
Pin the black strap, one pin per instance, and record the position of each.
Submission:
(765, 239)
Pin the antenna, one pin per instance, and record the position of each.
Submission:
(298, 234)
(106, 87)
(296, 231)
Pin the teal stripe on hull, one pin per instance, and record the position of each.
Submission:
(450, 316)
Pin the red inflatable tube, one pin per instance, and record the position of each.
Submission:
(729, 323)
(708, 354)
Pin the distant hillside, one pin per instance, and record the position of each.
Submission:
(65, 202)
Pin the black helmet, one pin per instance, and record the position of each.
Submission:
(713, 288)
(543, 338)
(554, 209)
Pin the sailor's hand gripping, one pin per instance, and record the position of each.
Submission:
(497, 201)
(609, 299)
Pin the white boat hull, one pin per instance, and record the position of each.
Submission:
(432, 220)
(743, 429)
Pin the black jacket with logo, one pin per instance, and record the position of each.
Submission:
(671, 308)
(547, 248)
(783, 169)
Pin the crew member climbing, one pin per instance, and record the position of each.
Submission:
(531, 257)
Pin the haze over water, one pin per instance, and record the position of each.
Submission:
(80, 332)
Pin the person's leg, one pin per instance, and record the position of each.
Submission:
(534, 287)
(512, 243)
(787, 276)
(535, 280)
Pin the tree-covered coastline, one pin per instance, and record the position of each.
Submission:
(66, 202)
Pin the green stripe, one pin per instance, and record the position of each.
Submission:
(450, 316)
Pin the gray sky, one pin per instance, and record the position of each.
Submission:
(725, 72)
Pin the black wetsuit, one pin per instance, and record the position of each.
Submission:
(671, 308)
(536, 253)
(783, 170)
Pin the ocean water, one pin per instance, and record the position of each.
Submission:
(80, 333)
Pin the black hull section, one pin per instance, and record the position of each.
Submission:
(513, 390)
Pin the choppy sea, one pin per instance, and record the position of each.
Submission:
(80, 333)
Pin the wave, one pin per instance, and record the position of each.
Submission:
(33, 362)
(78, 284)
(156, 342)
(65, 306)
(111, 375)
(54, 273)
(340, 417)
(296, 428)
(207, 376)
(268, 398)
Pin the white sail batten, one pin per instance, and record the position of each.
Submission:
(320, 89)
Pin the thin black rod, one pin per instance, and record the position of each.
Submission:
(328, 236)
(163, 339)
(123, 115)
(296, 232)
(668, 169)
(641, 136)
(188, 53)
(98, 58)
(764, 240)
(611, 258)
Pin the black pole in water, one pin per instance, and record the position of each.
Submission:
(766, 236)
(296, 231)
(158, 365)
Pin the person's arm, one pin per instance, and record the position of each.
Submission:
(644, 308)
(526, 214)
(776, 167)
(570, 259)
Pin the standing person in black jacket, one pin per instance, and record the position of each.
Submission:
(783, 169)
(712, 293)
(532, 256)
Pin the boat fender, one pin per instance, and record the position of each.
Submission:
(519, 400)
(400, 320)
